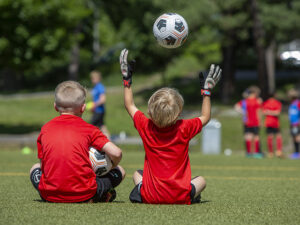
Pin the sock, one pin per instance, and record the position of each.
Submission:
(296, 147)
(279, 143)
(270, 144)
(248, 146)
(257, 147)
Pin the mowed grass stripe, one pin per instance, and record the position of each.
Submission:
(15, 174)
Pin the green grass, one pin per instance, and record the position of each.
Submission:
(239, 191)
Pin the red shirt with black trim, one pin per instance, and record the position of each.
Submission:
(272, 105)
(167, 170)
(250, 108)
(63, 147)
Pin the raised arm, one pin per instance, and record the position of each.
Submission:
(127, 70)
(212, 79)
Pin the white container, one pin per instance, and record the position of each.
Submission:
(211, 138)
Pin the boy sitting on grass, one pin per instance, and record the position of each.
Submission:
(166, 178)
(64, 173)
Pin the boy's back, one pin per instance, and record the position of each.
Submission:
(250, 107)
(167, 171)
(63, 147)
(272, 105)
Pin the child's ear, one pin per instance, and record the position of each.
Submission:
(83, 108)
(55, 107)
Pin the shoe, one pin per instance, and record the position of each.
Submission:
(249, 155)
(258, 155)
(271, 155)
(295, 155)
(109, 196)
(279, 154)
(196, 199)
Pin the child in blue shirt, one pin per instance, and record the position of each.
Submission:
(294, 117)
(99, 99)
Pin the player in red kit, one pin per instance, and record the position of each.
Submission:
(65, 173)
(271, 110)
(250, 108)
(166, 177)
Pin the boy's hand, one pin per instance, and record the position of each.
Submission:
(212, 79)
(126, 68)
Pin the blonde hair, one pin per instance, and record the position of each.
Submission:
(69, 96)
(293, 94)
(165, 106)
(96, 73)
(254, 90)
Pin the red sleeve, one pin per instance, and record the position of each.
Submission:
(39, 146)
(239, 103)
(193, 127)
(98, 139)
(139, 120)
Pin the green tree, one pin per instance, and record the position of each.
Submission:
(36, 36)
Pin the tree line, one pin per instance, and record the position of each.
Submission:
(40, 41)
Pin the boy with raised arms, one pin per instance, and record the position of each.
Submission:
(166, 177)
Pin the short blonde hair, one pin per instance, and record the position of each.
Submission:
(165, 106)
(96, 73)
(69, 96)
(293, 94)
(254, 90)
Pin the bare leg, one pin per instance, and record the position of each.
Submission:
(199, 183)
(37, 165)
(122, 171)
(137, 177)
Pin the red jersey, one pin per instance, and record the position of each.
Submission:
(167, 170)
(63, 147)
(272, 105)
(250, 107)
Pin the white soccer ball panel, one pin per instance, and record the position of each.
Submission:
(100, 162)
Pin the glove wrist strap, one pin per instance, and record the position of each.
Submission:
(205, 92)
(127, 83)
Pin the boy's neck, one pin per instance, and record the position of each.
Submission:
(71, 113)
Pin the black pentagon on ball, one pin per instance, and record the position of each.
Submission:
(179, 26)
(161, 23)
(170, 14)
(170, 40)
(99, 155)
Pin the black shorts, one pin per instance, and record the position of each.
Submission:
(135, 195)
(295, 130)
(104, 183)
(272, 130)
(98, 119)
(252, 130)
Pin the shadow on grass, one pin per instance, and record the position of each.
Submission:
(205, 201)
(19, 128)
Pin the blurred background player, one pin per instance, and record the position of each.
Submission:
(99, 99)
(294, 117)
(250, 107)
(271, 110)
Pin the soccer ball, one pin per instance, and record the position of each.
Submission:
(101, 163)
(170, 30)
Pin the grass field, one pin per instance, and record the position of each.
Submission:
(239, 191)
